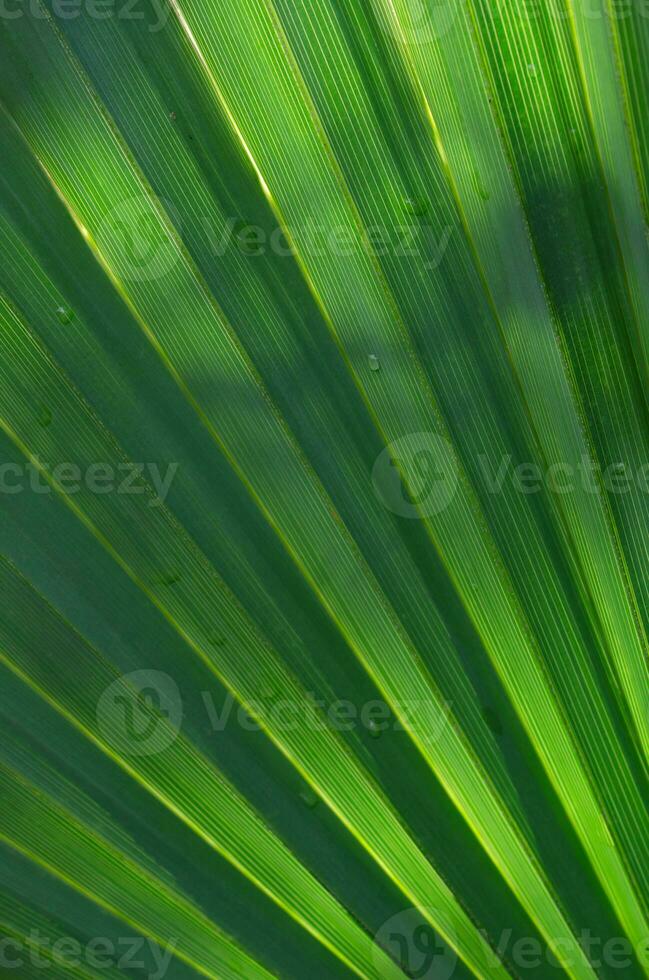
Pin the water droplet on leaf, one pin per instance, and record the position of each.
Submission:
(64, 315)
(309, 798)
(375, 364)
(417, 206)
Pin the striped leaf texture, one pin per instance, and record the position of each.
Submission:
(324, 478)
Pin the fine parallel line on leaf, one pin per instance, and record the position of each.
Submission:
(587, 838)
(484, 259)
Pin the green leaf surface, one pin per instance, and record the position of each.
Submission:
(325, 487)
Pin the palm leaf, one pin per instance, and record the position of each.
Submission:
(324, 431)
